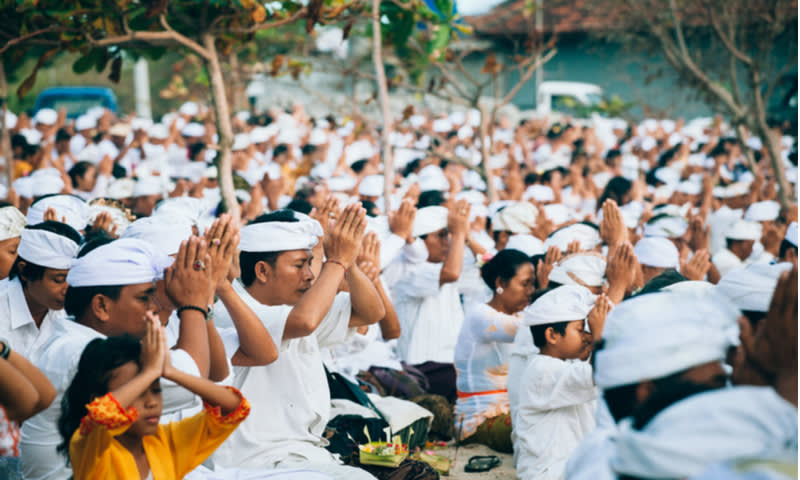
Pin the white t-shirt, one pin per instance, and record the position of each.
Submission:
(556, 411)
(481, 361)
(16, 323)
(289, 398)
(430, 315)
(58, 360)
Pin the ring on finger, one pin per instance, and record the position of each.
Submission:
(199, 265)
(215, 241)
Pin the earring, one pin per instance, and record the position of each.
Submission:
(499, 290)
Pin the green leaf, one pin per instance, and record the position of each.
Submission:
(83, 64)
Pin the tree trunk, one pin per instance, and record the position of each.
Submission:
(5, 138)
(236, 90)
(770, 140)
(486, 154)
(224, 128)
(383, 91)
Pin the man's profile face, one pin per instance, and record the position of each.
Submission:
(291, 276)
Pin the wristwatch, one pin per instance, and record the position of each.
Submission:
(6, 351)
(208, 312)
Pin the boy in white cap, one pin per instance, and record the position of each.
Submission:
(12, 221)
(557, 401)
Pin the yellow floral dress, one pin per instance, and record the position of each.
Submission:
(172, 453)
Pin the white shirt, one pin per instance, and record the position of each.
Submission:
(430, 315)
(16, 323)
(726, 261)
(481, 361)
(58, 360)
(521, 350)
(289, 398)
(556, 410)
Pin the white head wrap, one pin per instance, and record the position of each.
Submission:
(751, 287)
(121, 188)
(767, 210)
(698, 286)
(588, 237)
(118, 218)
(187, 209)
(517, 217)
(281, 236)
(46, 116)
(584, 269)
(72, 208)
(47, 249)
(148, 186)
(430, 219)
(126, 261)
(164, 232)
(742, 422)
(12, 222)
(654, 335)
(540, 193)
(744, 230)
(527, 244)
(371, 186)
(657, 252)
(558, 213)
(669, 226)
(45, 184)
(791, 234)
(563, 304)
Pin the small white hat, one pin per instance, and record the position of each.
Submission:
(11, 120)
(85, 122)
(527, 244)
(765, 211)
(371, 186)
(158, 132)
(240, 142)
(563, 304)
(148, 186)
(46, 116)
(120, 130)
(430, 219)
(317, 137)
(121, 188)
(189, 108)
(658, 252)
(259, 135)
(744, 230)
(540, 193)
(139, 123)
(193, 129)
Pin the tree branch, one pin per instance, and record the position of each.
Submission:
(153, 38)
(16, 40)
(277, 23)
(741, 56)
(527, 76)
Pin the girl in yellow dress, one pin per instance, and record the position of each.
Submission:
(110, 412)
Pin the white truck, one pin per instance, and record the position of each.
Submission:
(564, 97)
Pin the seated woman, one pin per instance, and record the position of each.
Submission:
(481, 360)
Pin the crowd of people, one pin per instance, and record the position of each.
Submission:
(603, 299)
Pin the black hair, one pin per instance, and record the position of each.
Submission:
(280, 149)
(62, 135)
(32, 271)
(300, 205)
(786, 245)
(308, 149)
(616, 189)
(97, 363)
(538, 332)
(503, 266)
(248, 260)
(430, 198)
(78, 299)
(611, 156)
(358, 165)
(664, 279)
(78, 170)
(195, 149)
(547, 176)
(411, 167)
(370, 207)
(530, 178)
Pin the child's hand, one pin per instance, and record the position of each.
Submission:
(597, 316)
(154, 346)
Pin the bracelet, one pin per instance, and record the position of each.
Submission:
(206, 312)
(6, 349)
(337, 262)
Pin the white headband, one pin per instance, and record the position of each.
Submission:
(127, 261)
(281, 236)
(47, 249)
(563, 304)
(12, 222)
